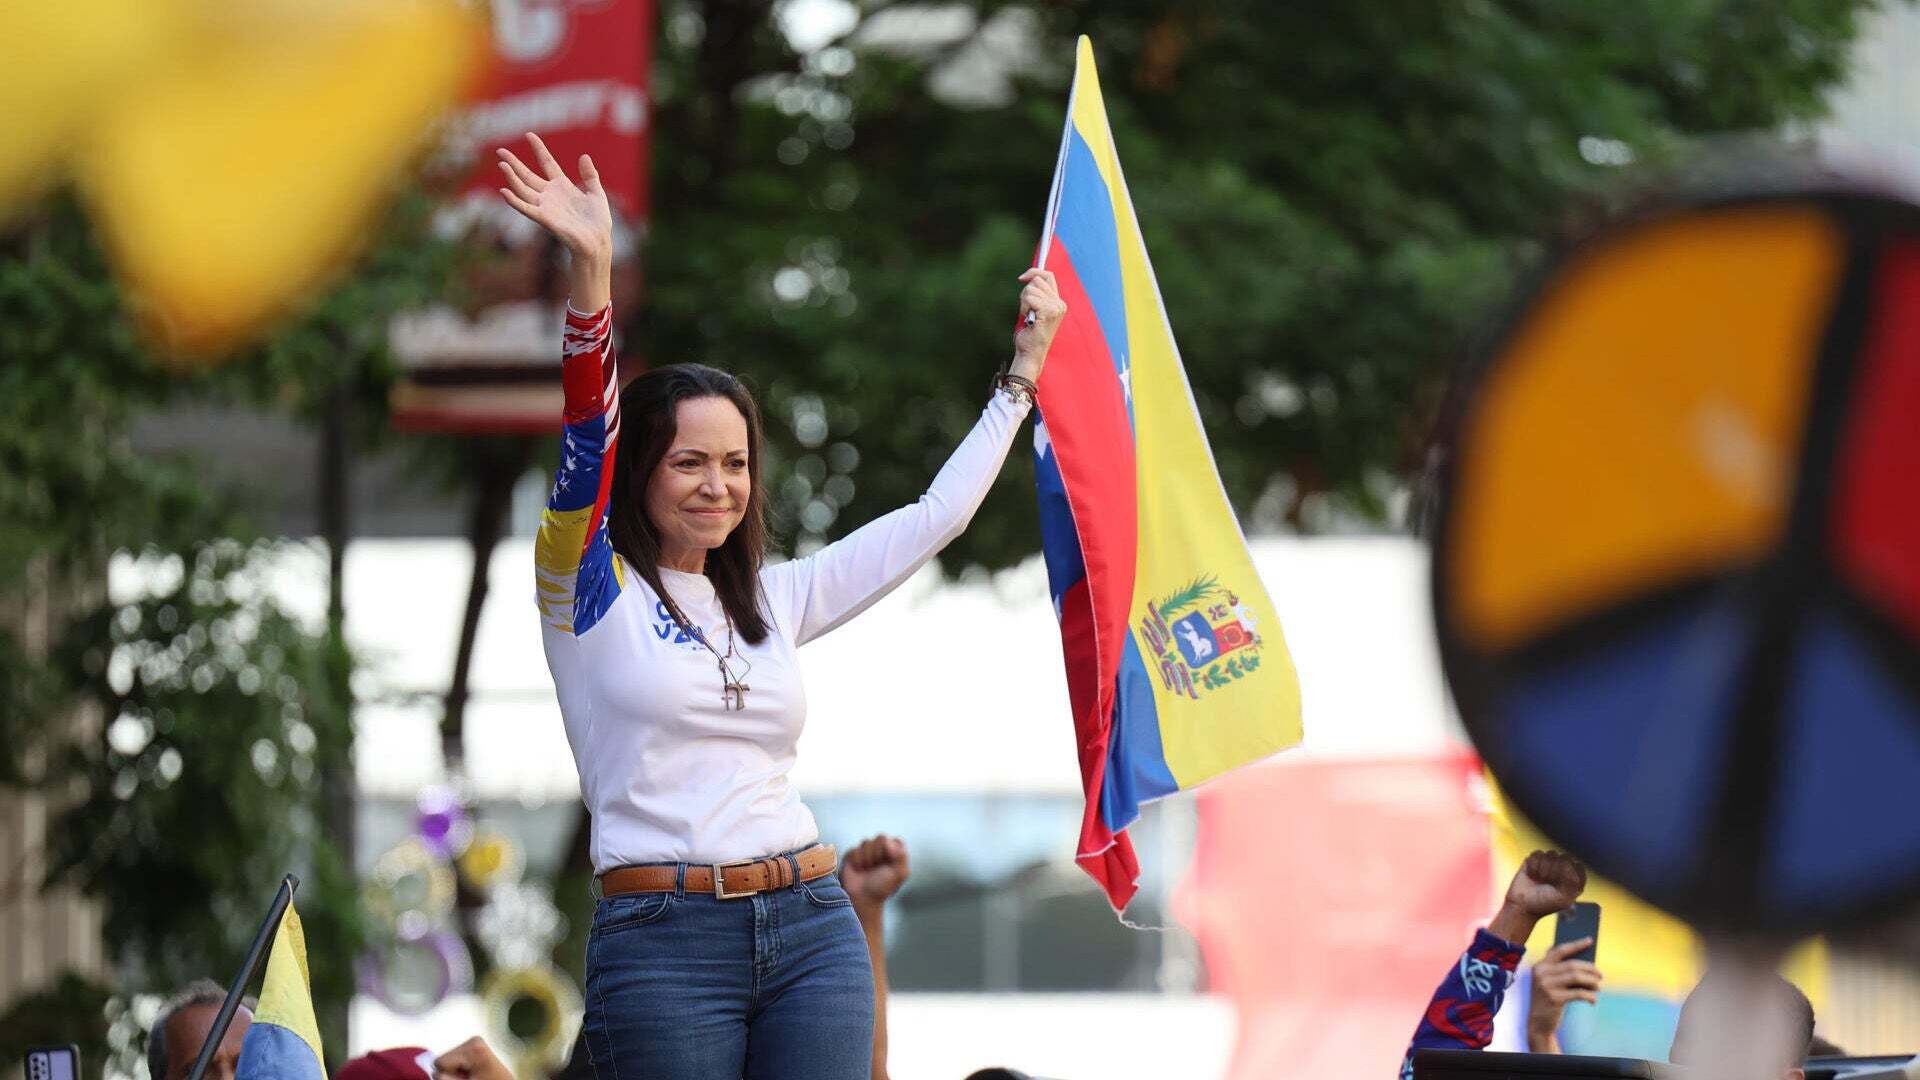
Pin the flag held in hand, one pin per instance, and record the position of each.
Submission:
(1176, 666)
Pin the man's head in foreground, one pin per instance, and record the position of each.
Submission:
(1748, 1022)
(182, 1026)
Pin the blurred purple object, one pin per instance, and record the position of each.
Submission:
(443, 822)
(414, 972)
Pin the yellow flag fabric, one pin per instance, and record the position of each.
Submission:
(284, 1041)
(235, 155)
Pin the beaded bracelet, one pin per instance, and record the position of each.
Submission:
(1018, 387)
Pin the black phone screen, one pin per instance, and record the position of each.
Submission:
(1579, 921)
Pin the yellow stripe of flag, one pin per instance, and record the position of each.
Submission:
(284, 1041)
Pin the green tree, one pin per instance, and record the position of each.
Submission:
(203, 732)
(70, 1011)
(1333, 196)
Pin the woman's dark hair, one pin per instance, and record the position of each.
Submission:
(649, 408)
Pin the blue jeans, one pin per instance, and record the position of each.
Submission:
(681, 986)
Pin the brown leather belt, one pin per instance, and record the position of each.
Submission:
(726, 881)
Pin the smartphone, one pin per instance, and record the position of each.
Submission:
(1579, 921)
(53, 1063)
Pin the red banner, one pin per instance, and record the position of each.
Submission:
(575, 71)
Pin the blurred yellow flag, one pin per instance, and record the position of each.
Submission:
(59, 65)
(239, 152)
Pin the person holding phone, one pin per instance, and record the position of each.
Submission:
(1779, 1020)
(1562, 977)
(1460, 1016)
(724, 944)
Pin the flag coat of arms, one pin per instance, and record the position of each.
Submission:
(284, 1041)
(1176, 666)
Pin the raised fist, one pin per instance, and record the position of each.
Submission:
(874, 870)
(1548, 882)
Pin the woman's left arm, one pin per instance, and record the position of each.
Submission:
(848, 576)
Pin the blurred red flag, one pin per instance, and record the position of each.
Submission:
(576, 72)
(1329, 897)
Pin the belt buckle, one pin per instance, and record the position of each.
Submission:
(720, 880)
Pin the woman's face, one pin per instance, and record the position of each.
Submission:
(698, 492)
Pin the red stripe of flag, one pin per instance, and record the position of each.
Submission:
(1090, 427)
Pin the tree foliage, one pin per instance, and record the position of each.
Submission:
(1333, 196)
(69, 1011)
(193, 722)
(204, 789)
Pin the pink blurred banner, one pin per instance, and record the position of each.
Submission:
(1329, 897)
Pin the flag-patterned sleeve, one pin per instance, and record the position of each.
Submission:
(1460, 1016)
(576, 574)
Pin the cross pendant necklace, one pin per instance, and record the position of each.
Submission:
(733, 692)
(733, 688)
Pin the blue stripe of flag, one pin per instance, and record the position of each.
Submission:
(1059, 540)
(271, 1052)
(1137, 769)
(1085, 225)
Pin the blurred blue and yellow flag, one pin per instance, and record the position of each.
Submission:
(284, 1041)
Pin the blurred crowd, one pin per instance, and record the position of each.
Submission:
(872, 872)
(1742, 1010)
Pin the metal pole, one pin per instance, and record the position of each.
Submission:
(1001, 912)
(255, 954)
(1179, 950)
(339, 792)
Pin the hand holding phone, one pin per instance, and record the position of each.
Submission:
(1563, 976)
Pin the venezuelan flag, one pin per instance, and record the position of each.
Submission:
(1176, 666)
(284, 1041)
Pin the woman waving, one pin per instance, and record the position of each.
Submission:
(724, 946)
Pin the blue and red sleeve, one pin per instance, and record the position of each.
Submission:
(1460, 1016)
(578, 578)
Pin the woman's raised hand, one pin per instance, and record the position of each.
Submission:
(1040, 298)
(576, 214)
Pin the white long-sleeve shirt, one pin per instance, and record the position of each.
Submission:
(668, 769)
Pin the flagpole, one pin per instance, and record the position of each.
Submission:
(255, 954)
(1059, 176)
